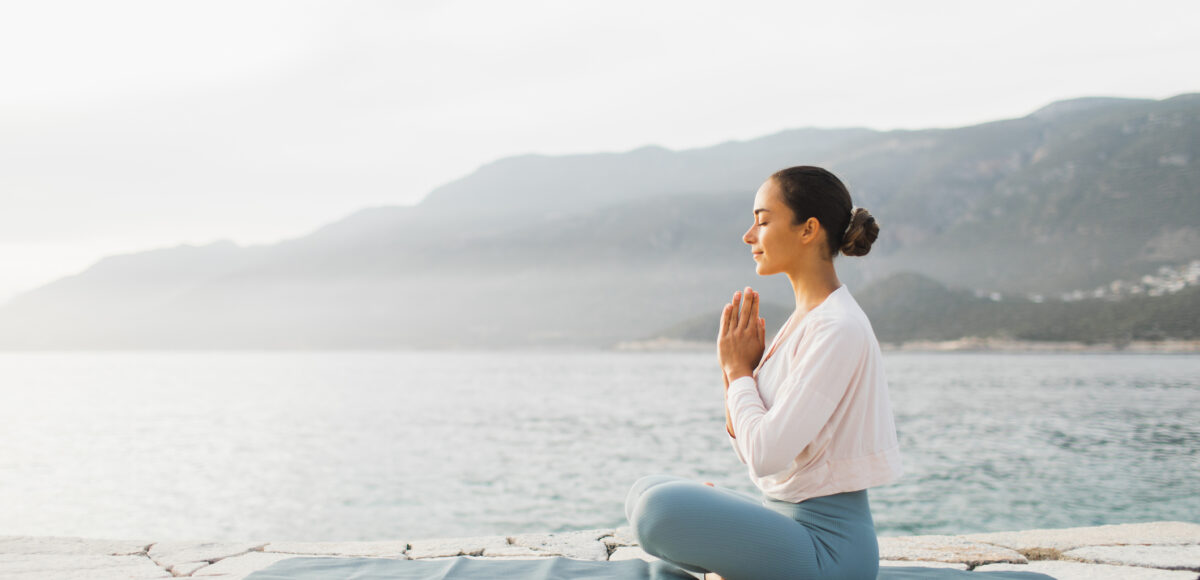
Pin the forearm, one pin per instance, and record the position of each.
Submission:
(728, 419)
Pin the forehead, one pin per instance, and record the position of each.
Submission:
(767, 196)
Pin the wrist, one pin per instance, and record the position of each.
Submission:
(734, 374)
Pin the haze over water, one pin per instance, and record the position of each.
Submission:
(408, 445)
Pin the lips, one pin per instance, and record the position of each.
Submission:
(756, 254)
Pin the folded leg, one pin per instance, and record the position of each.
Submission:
(706, 529)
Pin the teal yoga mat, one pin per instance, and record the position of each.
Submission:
(557, 568)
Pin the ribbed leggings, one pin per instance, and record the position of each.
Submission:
(740, 537)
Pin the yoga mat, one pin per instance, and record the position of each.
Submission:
(556, 568)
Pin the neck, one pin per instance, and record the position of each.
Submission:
(813, 283)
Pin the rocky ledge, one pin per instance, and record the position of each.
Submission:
(1150, 551)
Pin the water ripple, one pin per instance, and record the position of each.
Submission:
(377, 445)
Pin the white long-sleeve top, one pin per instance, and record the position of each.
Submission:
(816, 419)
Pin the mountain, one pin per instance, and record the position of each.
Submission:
(589, 250)
(909, 307)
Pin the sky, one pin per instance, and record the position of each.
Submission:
(128, 126)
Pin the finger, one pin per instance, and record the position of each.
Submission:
(754, 309)
(724, 321)
(735, 307)
(762, 331)
(744, 315)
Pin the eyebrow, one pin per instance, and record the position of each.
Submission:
(761, 209)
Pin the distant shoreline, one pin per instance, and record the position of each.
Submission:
(970, 344)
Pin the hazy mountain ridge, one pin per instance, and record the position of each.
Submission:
(593, 249)
(909, 307)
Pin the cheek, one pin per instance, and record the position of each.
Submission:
(774, 247)
(767, 241)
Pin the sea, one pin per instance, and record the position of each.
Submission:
(396, 445)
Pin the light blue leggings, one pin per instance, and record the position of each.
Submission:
(711, 529)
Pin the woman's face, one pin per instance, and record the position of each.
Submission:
(776, 244)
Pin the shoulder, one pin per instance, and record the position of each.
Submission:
(839, 319)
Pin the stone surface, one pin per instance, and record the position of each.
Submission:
(1080, 571)
(238, 567)
(66, 545)
(77, 567)
(922, 564)
(1155, 551)
(630, 553)
(584, 544)
(450, 547)
(1167, 557)
(381, 549)
(181, 557)
(952, 549)
(1063, 539)
(188, 568)
(515, 552)
(622, 536)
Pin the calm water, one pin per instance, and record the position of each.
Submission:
(383, 445)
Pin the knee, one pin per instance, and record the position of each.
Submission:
(639, 488)
(659, 512)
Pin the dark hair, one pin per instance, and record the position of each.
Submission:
(814, 192)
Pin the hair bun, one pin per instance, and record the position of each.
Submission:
(860, 234)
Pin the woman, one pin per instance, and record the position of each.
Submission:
(812, 420)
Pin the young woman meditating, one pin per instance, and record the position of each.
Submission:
(811, 420)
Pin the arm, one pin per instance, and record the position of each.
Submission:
(729, 425)
(815, 384)
(728, 421)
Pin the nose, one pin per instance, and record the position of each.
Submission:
(748, 237)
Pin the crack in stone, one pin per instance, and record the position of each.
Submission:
(254, 549)
(610, 548)
(1032, 554)
(140, 552)
(209, 562)
(146, 552)
(192, 572)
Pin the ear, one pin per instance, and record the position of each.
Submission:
(810, 230)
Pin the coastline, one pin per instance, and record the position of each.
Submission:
(969, 344)
(1165, 550)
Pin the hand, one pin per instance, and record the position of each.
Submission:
(742, 338)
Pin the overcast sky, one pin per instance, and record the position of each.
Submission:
(127, 126)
